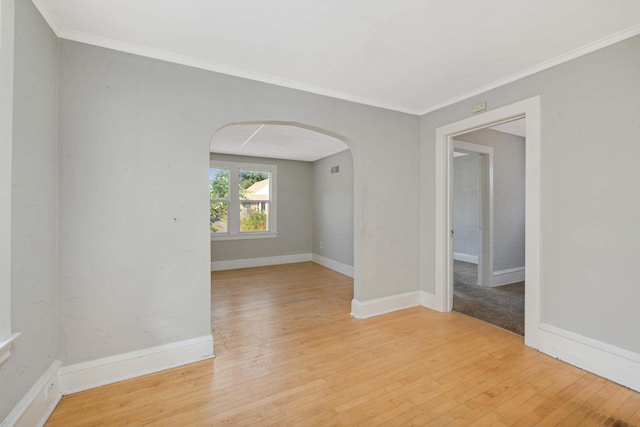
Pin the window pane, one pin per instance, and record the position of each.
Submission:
(254, 216)
(219, 183)
(218, 217)
(254, 185)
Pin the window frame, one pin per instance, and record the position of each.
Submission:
(233, 211)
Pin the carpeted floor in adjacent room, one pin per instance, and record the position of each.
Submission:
(502, 306)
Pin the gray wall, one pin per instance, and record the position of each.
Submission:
(508, 195)
(590, 183)
(333, 208)
(466, 204)
(134, 254)
(294, 214)
(134, 246)
(33, 207)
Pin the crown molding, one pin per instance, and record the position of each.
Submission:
(576, 53)
(204, 64)
(164, 55)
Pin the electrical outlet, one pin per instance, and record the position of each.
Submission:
(48, 390)
(320, 245)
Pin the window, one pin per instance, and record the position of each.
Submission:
(242, 200)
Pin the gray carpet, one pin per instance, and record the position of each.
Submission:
(502, 306)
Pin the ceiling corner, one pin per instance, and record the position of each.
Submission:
(48, 16)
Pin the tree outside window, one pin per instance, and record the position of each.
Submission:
(249, 209)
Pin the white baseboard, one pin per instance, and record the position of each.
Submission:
(345, 269)
(505, 277)
(378, 306)
(608, 361)
(39, 402)
(473, 259)
(429, 301)
(95, 373)
(259, 262)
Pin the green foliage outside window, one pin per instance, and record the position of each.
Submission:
(219, 185)
(218, 189)
(255, 220)
(248, 178)
(252, 219)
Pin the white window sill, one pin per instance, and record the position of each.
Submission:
(5, 347)
(243, 236)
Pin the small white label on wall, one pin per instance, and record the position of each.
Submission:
(480, 107)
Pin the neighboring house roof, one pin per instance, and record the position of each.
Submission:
(258, 190)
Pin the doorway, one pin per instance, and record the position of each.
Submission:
(443, 298)
(488, 202)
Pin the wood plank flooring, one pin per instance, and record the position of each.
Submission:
(289, 353)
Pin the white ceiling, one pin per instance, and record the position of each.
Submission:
(407, 55)
(275, 141)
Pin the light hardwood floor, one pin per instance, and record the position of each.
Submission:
(289, 353)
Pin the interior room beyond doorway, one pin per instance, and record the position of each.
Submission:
(488, 201)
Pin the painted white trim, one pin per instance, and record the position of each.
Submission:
(529, 108)
(507, 276)
(209, 65)
(608, 361)
(345, 269)
(234, 201)
(243, 236)
(99, 372)
(378, 306)
(508, 271)
(7, 39)
(429, 301)
(632, 31)
(473, 259)
(5, 347)
(266, 78)
(38, 403)
(259, 262)
(485, 256)
(470, 147)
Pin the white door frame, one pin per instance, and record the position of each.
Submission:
(485, 247)
(530, 109)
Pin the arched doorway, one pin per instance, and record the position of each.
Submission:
(303, 210)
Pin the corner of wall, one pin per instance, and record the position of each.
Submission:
(608, 361)
(345, 269)
(37, 405)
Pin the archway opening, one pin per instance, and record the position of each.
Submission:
(289, 198)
